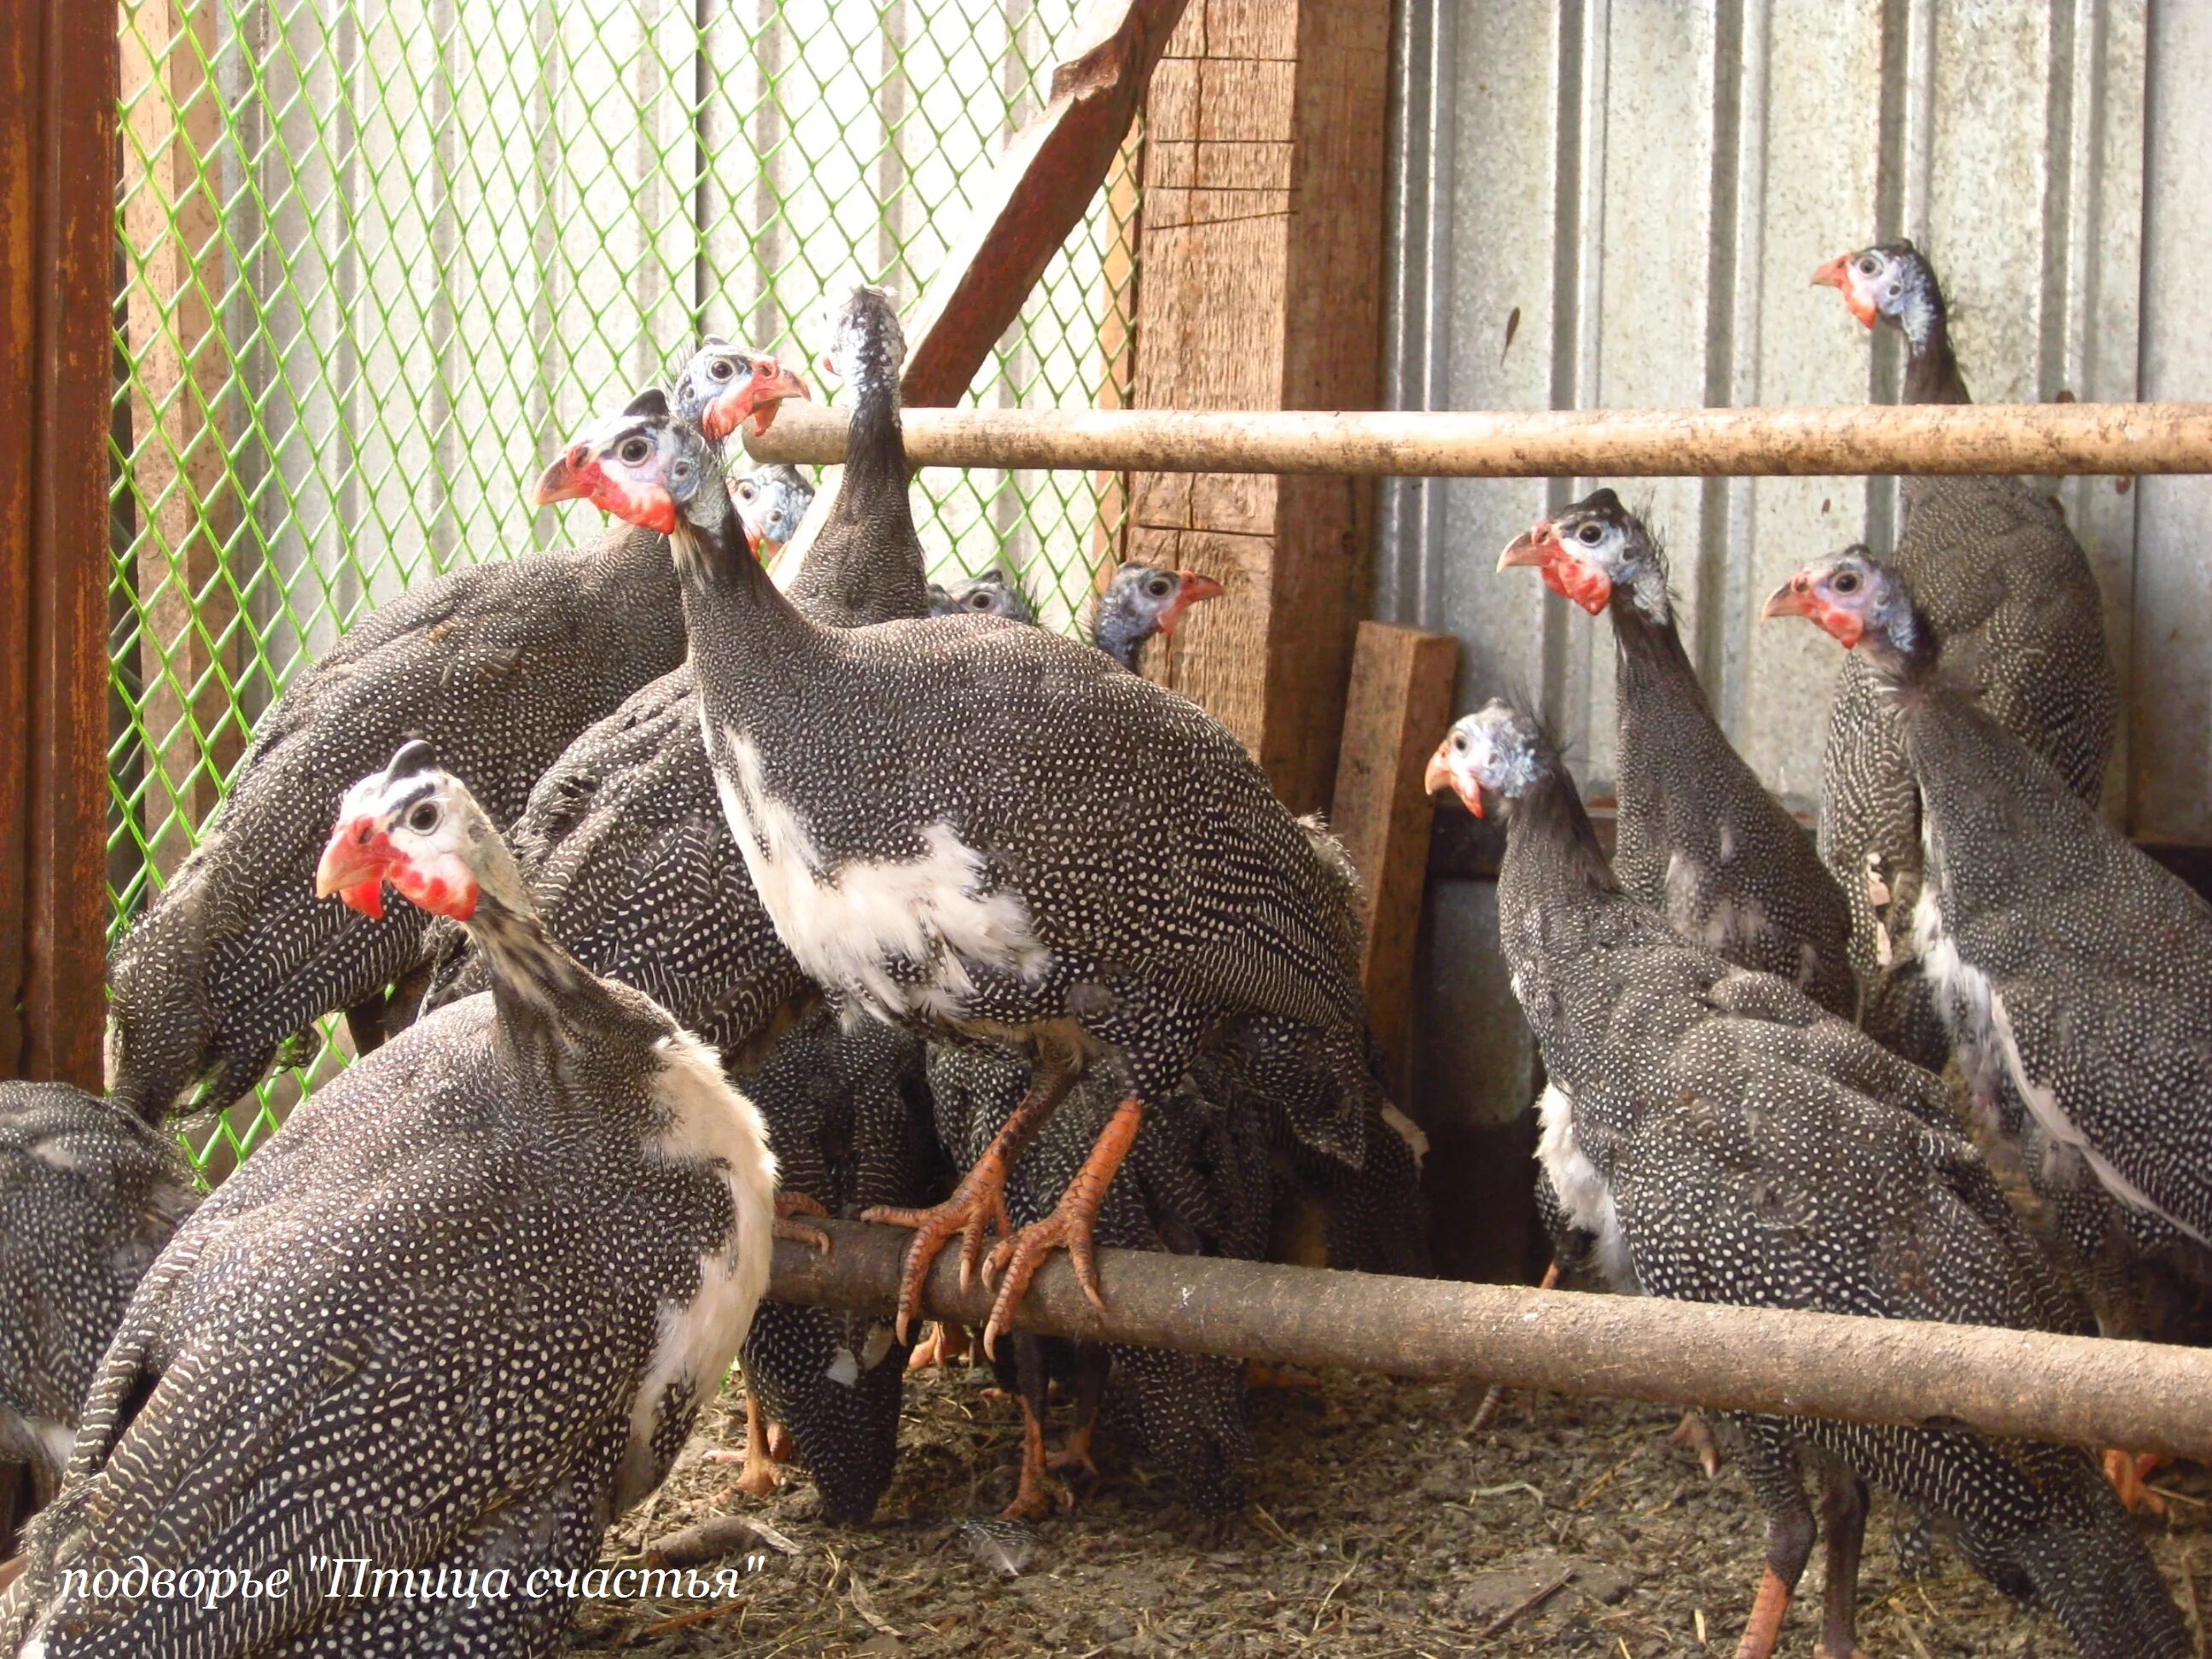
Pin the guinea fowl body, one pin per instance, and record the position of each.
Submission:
(1698, 838)
(89, 1195)
(626, 848)
(499, 665)
(459, 1312)
(2072, 971)
(2001, 577)
(1722, 1140)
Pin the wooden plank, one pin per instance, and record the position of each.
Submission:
(1117, 346)
(66, 889)
(1037, 195)
(21, 38)
(1834, 440)
(2089, 1390)
(1399, 703)
(1262, 228)
(171, 227)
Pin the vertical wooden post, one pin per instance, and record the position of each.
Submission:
(57, 82)
(172, 223)
(1117, 345)
(1262, 228)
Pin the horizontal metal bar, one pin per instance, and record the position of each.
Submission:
(2013, 1384)
(2119, 439)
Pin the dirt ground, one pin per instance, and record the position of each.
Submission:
(1378, 1526)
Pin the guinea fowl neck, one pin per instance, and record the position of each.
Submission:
(1552, 852)
(743, 628)
(535, 982)
(1119, 633)
(866, 562)
(1931, 371)
(1652, 658)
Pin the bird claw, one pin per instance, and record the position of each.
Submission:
(1694, 1433)
(2128, 1472)
(978, 1203)
(790, 1205)
(1015, 1260)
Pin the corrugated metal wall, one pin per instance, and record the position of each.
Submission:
(1620, 202)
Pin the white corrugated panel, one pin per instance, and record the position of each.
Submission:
(1620, 202)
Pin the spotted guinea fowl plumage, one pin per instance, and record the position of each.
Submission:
(1999, 572)
(89, 1195)
(1698, 838)
(624, 845)
(501, 665)
(937, 815)
(2073, 970)
(1724, 1140)
(459, 1311)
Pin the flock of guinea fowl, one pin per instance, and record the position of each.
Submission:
(463, 1307)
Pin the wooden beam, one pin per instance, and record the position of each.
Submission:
(1400, 697)
(1037, 194)
(180, 468)
(2011, 1384)
(2119, 440)
(65, 889)
(1262, 228)
(23, 36)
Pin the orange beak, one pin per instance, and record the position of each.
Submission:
(1793, 598)
(1439, 775)
(354, 864)
(1832, 274)
(1533, 549)
(769, 384)
(569, 478)
(1191, 589)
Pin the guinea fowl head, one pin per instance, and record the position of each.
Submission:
(416, 828)
(862, 339)
(770, 504)
(1590, 549)
(723, 384)
(1891, 280)
(1498, 748)
(1859, 600)
(1145, 600)
(994, 593)
(646, 465)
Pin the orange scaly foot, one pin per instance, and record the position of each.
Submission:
(1015, 1262)
(1258, 1374)
(1076, 1453)
(1038, 1495)
(1696, 1433)
(978, 1203)
(762, 1474)
(945, 1347)
(2128, 1472)
(1764, 1629)
(790, 1205)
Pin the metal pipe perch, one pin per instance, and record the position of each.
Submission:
(2117, 439)
(2138, 1396)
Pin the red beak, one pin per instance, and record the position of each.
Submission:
(569, 478)
(1191, 588)
(354, 864)
(1832, 274)
(769, 384)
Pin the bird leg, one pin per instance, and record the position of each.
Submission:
(1788, 1541)
(1092, 1368)
(979, 1202)
(789, 1205)
(1015, 1260)
(761, 1474)
(1843, 1520)
(1494, 1395)
(2127, 1472)
(1037, 1495)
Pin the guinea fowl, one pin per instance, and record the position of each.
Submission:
(1723, 1140)
(89, 1195)
(938, 815)
(1142, 600)
(625, 846)
(771, 503)
(1997, 570)
(460, 1310)
(2072, 971)
(996, 593)
(501, 665)
(1700, 840)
